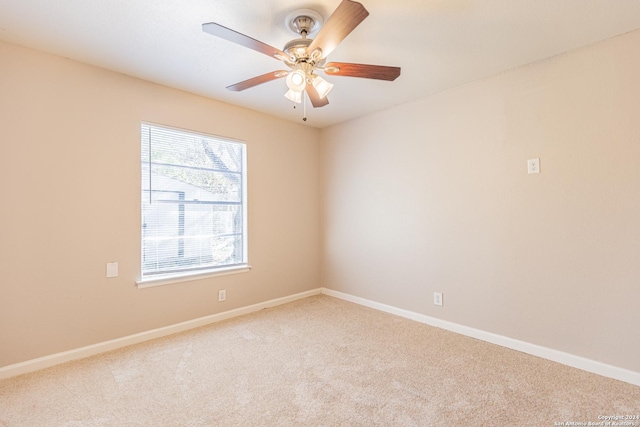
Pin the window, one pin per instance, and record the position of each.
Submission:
(194, 211)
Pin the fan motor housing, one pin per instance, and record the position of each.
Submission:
(298, 48)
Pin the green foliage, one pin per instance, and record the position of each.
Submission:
(199, 161)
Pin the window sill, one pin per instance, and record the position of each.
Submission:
(169, 279)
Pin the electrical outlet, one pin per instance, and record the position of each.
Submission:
(437, 298)
(533, 166)
(222, 295)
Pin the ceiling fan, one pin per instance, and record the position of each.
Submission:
(305, 57)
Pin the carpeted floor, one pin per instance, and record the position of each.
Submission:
(319, 361)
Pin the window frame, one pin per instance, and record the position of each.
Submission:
(158, 279)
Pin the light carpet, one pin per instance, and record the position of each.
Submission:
(319, 361)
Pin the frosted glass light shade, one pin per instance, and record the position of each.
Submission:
(322, 86)
(296, 80)
(294, 96)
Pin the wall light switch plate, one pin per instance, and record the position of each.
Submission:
(437, 298)
(112, 269)
(533, 166)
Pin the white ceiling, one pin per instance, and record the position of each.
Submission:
(438, 43)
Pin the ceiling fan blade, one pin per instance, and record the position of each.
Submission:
(255, 81)
(379, 72)
(246, 41)
(347, 16)
(315, 99)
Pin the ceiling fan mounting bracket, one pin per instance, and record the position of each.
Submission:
(304, 22)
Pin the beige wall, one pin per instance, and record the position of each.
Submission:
(434, 195)
(69, 185)
(428, 196)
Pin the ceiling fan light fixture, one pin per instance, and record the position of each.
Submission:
(296, 80)
(322, 86)
(294, 96)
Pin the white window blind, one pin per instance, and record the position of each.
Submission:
(194, 210)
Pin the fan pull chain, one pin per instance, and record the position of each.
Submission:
(304, 106)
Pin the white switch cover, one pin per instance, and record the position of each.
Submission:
(533, 165)
(112, 269)
(437, 298)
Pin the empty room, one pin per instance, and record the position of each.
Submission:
(326, 213)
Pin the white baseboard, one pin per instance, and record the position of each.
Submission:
(582, 363)
(588, 365)
(91, 350)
